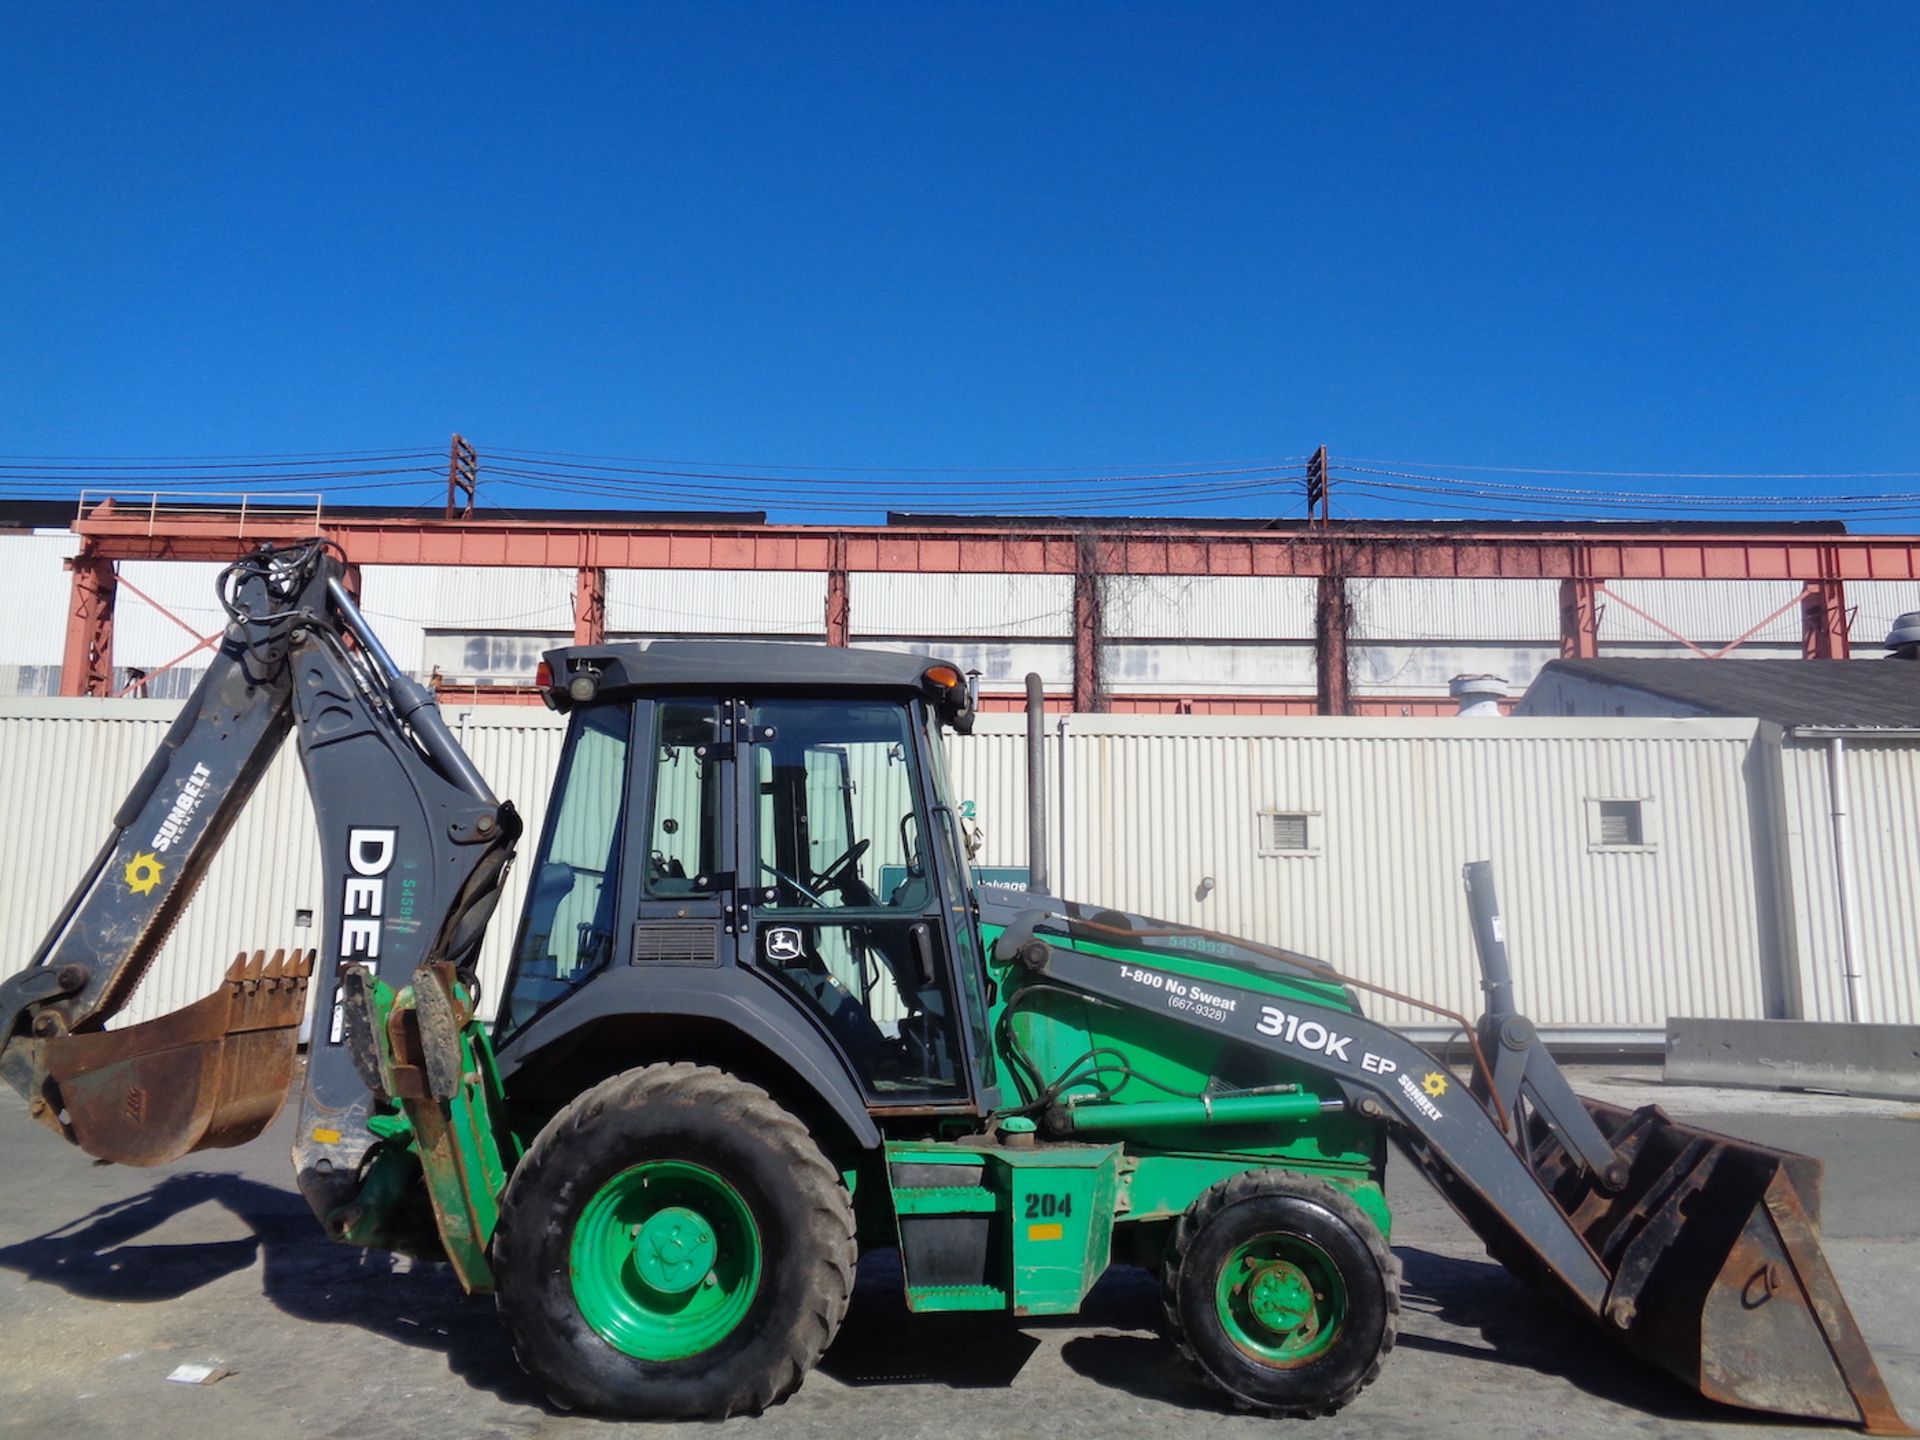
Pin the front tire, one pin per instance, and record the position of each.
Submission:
(674, 1245)
(1281, 1292)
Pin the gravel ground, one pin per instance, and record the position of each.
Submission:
(109, 1278)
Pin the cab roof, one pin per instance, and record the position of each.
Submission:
(653, 666)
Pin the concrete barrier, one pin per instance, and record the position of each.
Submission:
(1880, 1060)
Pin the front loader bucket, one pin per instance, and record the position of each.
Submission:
(1717, 1275)
(209, 1076)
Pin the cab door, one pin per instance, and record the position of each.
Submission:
(841, 881)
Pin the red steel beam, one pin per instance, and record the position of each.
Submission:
(1823, 620)
(839, 617)
(86, 665)
(1331, 623)
(1089, 627)
(609, 543)
(589, 605)
(1579, 618)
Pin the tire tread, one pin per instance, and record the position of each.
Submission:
(817, 1186)
(1247, 1185)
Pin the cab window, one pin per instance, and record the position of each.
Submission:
(683, 827)
(569, 928)
(847, 916)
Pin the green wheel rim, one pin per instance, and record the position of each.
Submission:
(1281, 1299)
(665, 1260)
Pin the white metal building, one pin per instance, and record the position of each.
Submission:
(1848, 766)
(1648, 868)
(1165, 635)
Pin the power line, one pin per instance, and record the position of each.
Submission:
(1583, 494)
(1153, 497)
(812, 482)
(145, 462)
(1185, 467)
(1239, 487)
(1428, 465)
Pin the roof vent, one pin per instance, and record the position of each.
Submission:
(1904, 639)
(1478, 696)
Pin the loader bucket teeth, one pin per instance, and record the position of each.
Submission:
(1717, 1275)
(205, 1077)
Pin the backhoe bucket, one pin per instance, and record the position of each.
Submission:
(209, 1076)
(1717, 1275)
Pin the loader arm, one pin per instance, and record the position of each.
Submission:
(414, 847)
(1697, 1251)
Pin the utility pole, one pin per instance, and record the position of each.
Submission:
(1089, 626)
(463, 477)
(1332, 616)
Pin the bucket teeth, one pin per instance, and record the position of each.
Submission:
(268, 993)
(211, 1074)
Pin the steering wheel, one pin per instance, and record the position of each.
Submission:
(793, 884)
(831, 877)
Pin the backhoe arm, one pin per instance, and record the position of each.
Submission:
(414, 846)
(164, 836)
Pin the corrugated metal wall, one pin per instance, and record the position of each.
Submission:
(1876, 604)
(1193, 636)
(1603, 939)
(716, 602)
(1425, 668)
(1608, 939)
(1714, 612)
(885, 603)
(33, 598)
(1003, 664)
(1146, 667)
(405, 601)
(148, 638)
(65, 766)
(1491, 610)
(1208, 607)
(1883, 802)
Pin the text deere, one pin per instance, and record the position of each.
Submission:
(364, 903)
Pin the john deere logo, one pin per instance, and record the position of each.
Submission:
(143, 873)
(783, 943)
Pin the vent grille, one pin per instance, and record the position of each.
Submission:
(1287, 830)
(1620, 823)
(675, 942)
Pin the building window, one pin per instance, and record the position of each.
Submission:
(1624, 824)
(1289, 832)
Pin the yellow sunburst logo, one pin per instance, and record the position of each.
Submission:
(143, 873)
(1435, 1084)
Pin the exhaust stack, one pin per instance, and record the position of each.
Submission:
(1037, 878)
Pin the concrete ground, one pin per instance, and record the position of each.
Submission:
(109, 1278)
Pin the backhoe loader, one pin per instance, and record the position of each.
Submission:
(759, 1019)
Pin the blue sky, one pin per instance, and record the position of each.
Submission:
(1030, 238)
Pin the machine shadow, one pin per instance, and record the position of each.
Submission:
(1529, 1331)
(99, 1256)
(881, 1343)
(1478, 1297)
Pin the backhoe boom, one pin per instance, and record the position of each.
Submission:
(414, 846)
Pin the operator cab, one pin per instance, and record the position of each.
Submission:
(769, 823)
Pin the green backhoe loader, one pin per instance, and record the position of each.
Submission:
(760, 1019)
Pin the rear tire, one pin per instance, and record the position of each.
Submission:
(674, 1245)
(1281, 1292)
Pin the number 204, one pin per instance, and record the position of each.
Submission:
(1047, 1206)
